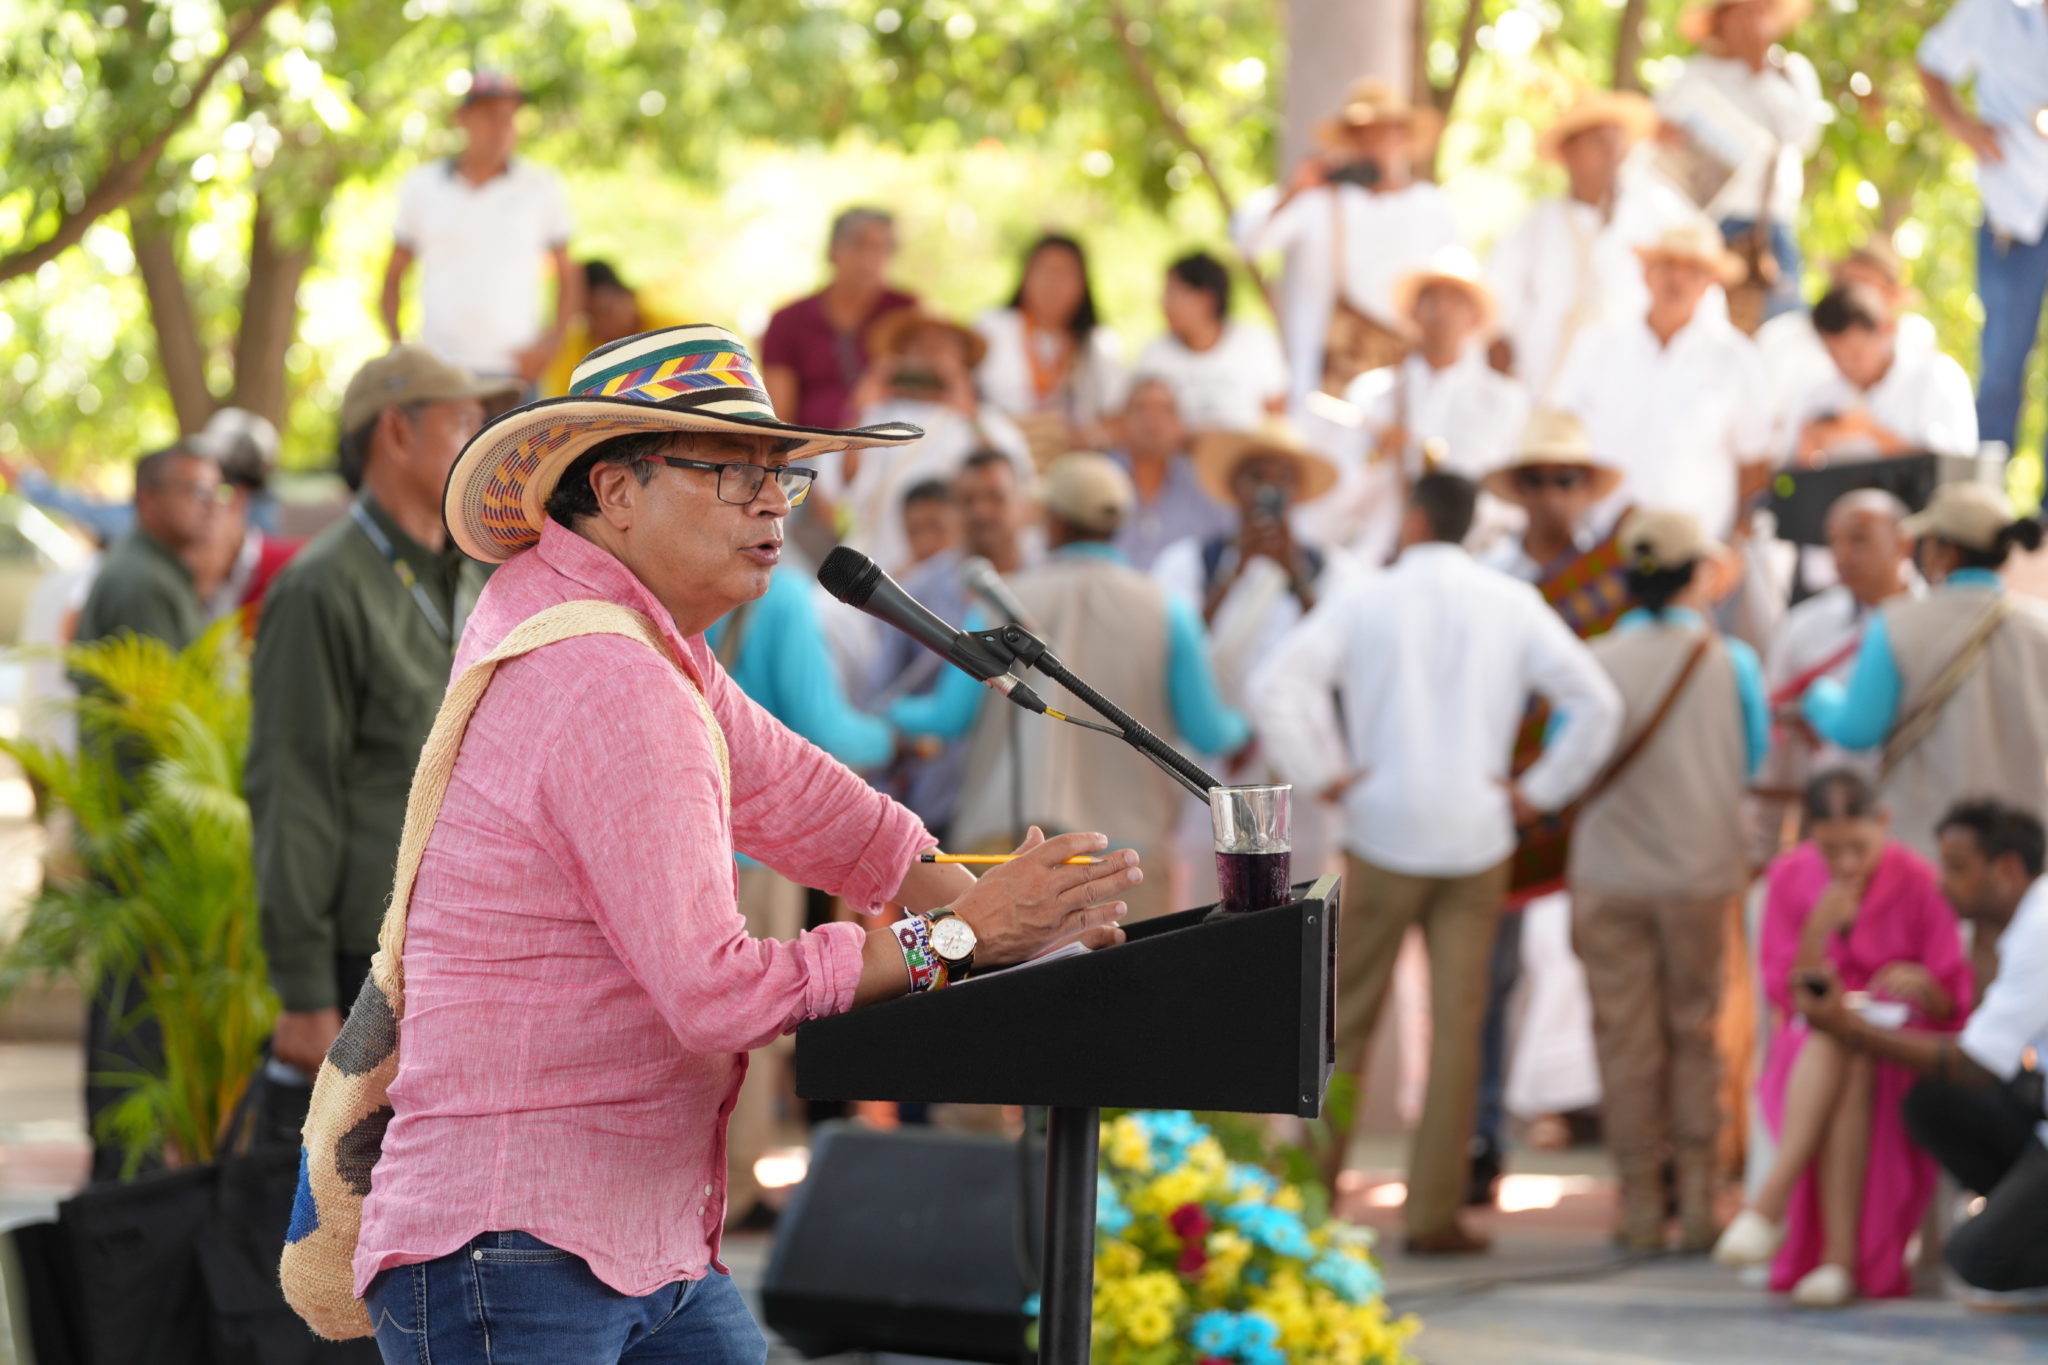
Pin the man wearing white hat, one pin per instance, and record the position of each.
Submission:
(1676, 398)
(1947, 687)
(1351, 221)
(1570, 265)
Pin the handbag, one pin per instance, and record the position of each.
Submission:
(351, 1104)
(1354, 341)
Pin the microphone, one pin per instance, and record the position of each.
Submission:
(980, 578)
(859, 582)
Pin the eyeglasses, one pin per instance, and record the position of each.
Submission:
(1536, 480)
(740, 482)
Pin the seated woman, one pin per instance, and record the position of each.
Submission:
(1848, 1187)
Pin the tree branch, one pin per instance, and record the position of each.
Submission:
(179, 351)
(1148, 81)
(1468, 43)
(125, 175)
(270, 310)
(1628, 47)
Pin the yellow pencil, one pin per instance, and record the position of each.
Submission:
(990, 859)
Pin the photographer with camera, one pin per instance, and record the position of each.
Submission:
(1978, 1106)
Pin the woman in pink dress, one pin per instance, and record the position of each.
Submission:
(1848, 1187)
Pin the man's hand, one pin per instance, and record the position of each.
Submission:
(1980, 137)
(1268, 536)
(302, 1037)
(1021, 908)
(1525, 813)
(1916, 986)
(1825, 1011)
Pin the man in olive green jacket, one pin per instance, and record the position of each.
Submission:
(352, 657)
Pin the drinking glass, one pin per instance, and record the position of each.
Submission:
(1253, 851)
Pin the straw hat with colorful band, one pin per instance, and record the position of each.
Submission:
(1553, 440)
(1373, 101)
(1967, 514)
(892, 331)
(1218, 454)
(680, 379)
(1696, 25)
(1630, 112)
(1699, 242)
(1448, 265)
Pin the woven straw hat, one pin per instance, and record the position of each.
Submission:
(681, 379)
(891, 332)
(1218, 453)
(1967, 514)
(1699, 242)
(1372, 101)
(1696, 24)
(1553, 440)
(1632, 113)
(1454, 266)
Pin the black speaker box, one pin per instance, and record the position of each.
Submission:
(1800, 498)
(909, 1241)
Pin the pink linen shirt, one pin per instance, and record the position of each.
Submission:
(580, 989)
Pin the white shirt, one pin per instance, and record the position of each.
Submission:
(1436, 658)
(480, 249)
(1228, 386)
(1786, 104)
(1796, 360)
(1566, 268)
(2013, 1015)
(1507, 555)
(875, 495)
(1676, 419)
(1385, 236)
(2004, 45)
(1924, 399)
(1095, 382)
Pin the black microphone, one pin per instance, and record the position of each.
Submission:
(979, 577)
(859, 582)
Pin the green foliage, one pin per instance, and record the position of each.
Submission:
(161, 896)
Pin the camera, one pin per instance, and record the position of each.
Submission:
(1364, 174)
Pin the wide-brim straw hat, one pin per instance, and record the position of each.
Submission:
(1699, 242)
(1967, 514)
(891, 332)
(1626, 110)
(1552, 440)
(1654, 539)
(1447, 265)
(1374, 101)
(1217, 455)
(679, 379)
(1696, 24)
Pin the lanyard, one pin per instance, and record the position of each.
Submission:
(435, 621)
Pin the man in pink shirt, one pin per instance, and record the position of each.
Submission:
(580, 989)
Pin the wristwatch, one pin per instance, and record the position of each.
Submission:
(954, 942)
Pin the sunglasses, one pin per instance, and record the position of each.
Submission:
(1536, 480)
(739, 482)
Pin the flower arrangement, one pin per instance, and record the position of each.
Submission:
(1201, 1260)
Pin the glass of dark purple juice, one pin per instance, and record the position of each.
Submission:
(1253, 852)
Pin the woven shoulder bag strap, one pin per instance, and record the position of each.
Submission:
(1633, 750)
(565, 621)
(1916, 725)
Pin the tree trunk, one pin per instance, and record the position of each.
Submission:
(1628, 47)
(270, 311)
(179, 352)
(1330, 44)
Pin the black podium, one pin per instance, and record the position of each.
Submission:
(1198, 1010)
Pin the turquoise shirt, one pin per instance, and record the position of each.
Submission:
(1204, 720)
(1860, 714)
(783, 665)
(1749, 677)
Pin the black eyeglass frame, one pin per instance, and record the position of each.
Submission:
(803, 475)
(1534, 478)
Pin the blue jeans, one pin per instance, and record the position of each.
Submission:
(1786, 294)
(1490, 1115)
(508, 1298)
(2012, 279)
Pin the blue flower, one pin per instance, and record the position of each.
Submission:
(1031, 1306)
(1249, 1182)
(1110, 1214)
(1172, 1132)
(1215, 1333)
(1278, 1230)
(1355, 1279)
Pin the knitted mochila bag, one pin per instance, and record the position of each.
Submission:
(351, 1096)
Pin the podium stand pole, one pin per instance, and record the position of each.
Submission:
(1067, 1298)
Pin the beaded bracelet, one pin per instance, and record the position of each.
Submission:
(914, 937)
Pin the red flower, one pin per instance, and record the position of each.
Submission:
(1190, 1223)
(1212, 1360)
(1193, 1257)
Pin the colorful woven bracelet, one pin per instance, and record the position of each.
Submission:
(914, 937)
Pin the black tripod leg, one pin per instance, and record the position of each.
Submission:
(1067, 1305)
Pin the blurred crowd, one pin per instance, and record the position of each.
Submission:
(1587, 594)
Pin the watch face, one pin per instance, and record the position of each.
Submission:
(953, 938)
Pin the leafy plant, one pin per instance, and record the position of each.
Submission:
(156, 894)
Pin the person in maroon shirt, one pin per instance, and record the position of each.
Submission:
(815, 349)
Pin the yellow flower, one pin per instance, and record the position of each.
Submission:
(1148, 1325)
(1127, 1145)
(1288, 1197)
